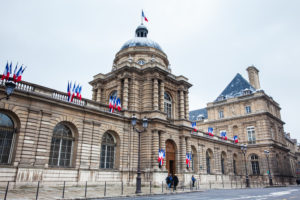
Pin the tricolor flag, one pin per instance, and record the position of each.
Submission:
(5, 72)
(110, 102)
(69, 90)
(19, 74)
(223, 135)
(161, 157)
(144, 17)
(235, 139)
(73, 92)
(8, 71)
(119, 104)
(194, 126)
(15, 73)
(80, 88)
(210, 131)
(188, 160)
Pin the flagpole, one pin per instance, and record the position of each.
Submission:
(142, 17)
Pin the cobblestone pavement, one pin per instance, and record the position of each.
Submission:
(274, 193)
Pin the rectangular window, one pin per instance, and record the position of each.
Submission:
(221, 114)
(248, 109)
(251, 135)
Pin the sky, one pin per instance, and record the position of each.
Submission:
(208, 42)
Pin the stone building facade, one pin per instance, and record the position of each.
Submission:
(46, 138)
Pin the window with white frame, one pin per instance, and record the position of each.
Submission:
(251, 135)
(248, 109)
(7, 135)
(61, 146)
(108, 147)
(168, 105)
(221, 114)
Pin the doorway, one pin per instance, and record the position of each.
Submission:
(171, 156)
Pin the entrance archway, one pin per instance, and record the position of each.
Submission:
(171, 156)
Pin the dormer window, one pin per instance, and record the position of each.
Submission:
(247, 91)
(221, 98)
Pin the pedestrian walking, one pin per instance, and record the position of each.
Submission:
(175, 181)
(169, 180)
(193, 180)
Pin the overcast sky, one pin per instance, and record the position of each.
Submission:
(209, 42)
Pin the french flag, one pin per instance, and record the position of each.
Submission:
(69, 90)
(19, 77)
(210, 131)
(235, 139)
(8, 71)
(223, 135)
(73, 92)
(188, 160)
(80, 88)
(110, 102)
(144, 17)
(119, 104)
(15, 75)
(5, 72)
(194, 126)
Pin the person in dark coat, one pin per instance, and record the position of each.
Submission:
(193, 180)
(175, 181)
(169, 180)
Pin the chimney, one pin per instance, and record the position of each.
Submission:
(253, 77)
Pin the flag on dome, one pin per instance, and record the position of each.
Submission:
(194, 126)
(210, 131)
(235, 139)
(144, 17)
(223, 135)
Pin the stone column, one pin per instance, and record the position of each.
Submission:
(183, 153)
(155, 94)
(94, 98)
(155, 148)
(119, 87)
(162, 98)
(135, 93)
(187, 115)
(99, 95)
(125, 94)
(181, 115)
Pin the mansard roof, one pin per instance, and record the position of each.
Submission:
(237, 87)
(199, 114)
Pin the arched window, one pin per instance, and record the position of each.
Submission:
(107, 151)
(61, 146)
(6, 138)
(168, 105)
(255, 164)
(207, 162)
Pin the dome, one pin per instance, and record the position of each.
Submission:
(141, 39)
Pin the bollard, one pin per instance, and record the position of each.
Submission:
(162, 187)
(150, 186)
(37, 191)
(235, 183)
(105, 188)
(241, 184)
(63, 194)
(183, 187)
(122, 189)
(6, 191)
(209, 185)
(85, 190)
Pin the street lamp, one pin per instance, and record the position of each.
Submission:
(9, 88)
(244, 150)
(270, 176)
(145, 125)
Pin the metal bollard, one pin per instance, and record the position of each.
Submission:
(122, 188)
(63, 194)
(150, 186)
(85, 190)
(162, 187)
(105, 188)
(209, 185)
(37, 191)
(6, 191)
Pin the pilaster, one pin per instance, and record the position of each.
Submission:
(162, 96)
(155, 94)
(181, 100)
(125, 94)
(187, 115)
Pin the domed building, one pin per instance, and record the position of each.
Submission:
(46, 138)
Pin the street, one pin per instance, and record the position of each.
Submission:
(276, 193)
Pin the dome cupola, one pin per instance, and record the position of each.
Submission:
(141, 31)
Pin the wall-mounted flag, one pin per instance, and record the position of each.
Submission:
(74, 92)
(235, 139)
(16, 76)
(161, 157)
(223, 135)
(194, 126)
(188, 160)
(210, 131)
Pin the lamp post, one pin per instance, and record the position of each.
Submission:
(145, 125)
(9, 88)
(244, 151)
(270, 176)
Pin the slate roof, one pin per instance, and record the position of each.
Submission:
(196, 114)
(235, 88)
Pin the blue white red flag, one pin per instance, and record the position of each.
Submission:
(223, 135)
(210, 131)
(144, 17)
(119, 104)
(194, 126)
(8, 73)
(15, 72)
(69, 90)
(5, 72)
(73, 92)
(19, 77)
(161, 157)
(188, 160)
(80, 88)
(235, 139)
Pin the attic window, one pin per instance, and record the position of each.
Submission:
(200, 117)
(221, 98)
(247, 91)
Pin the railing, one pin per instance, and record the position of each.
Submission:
(34, 89)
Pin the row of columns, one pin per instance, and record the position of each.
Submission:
(158, 95)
